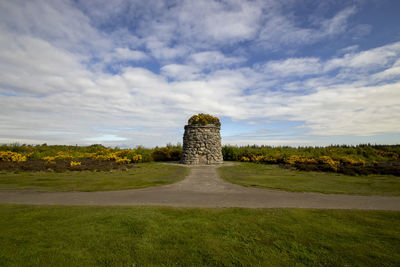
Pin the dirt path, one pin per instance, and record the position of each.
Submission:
(204, 188)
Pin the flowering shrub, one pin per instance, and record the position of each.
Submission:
(107, 157)
(258, 159)
(299, 159)
(59, 157)
(137, 158)
(120, 157)
(62, 156)
(49, 160)
(75, 163)
(292, 159)
(326, 160)
(123, 160)
(245, 159)
(350, 161)
(11, 156)
(249, 157)
(204, 119)
(271, 159)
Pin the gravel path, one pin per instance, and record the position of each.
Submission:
(204, 188)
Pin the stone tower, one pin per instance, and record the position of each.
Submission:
(202, 143)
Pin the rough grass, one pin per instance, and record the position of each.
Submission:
(143, 236)
(142, 175)
(274, 177)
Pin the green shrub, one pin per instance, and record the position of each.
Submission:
(167, 154)
(230, 153)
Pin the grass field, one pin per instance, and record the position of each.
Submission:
(274, 177)
(143, 236)
(142, 175)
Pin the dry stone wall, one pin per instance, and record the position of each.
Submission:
(202, 145)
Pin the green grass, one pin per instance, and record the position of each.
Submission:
(274, 177)
(143, 175)
(143, 236)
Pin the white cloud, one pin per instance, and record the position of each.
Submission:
(280, 29)
(181, 72)
(338, 23)
(58, 21)
(213, 59)
(162, 51)
(347, 110)
(387, 74)
(293, 67)
(349, 49)
(126, 54)
(215, 21)
(106, 138)
(364, 60)
(34, 66)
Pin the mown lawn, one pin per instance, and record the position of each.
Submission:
(274, 177)
(142, 175)
(143, 236)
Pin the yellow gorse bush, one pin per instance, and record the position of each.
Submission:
(63, 156)
(333, 164)
(270, 159)
(259, 158)
(299, 159)
(75, 163)
(49, 160)
(204, 119)
(11, 156)
(137, 158)
(121, 157)
(107, 157)
(245, 159)
(350, 161)
(123, 160)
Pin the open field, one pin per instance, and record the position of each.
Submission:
(138, 236)
(139, 175)
(274, 177)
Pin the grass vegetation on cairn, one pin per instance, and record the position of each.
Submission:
(274, 177)
(142, 175)
(144, 236)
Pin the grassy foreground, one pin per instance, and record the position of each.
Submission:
(274, 177)
(143, 236)
(142, 175)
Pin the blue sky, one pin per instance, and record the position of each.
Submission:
(127, 73)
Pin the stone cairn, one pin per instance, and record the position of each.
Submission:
(202, 141)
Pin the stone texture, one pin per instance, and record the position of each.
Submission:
(202, 145)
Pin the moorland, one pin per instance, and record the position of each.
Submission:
(49, 235)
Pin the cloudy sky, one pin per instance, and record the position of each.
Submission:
(128, 73)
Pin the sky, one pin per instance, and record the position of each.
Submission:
(128, 73)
